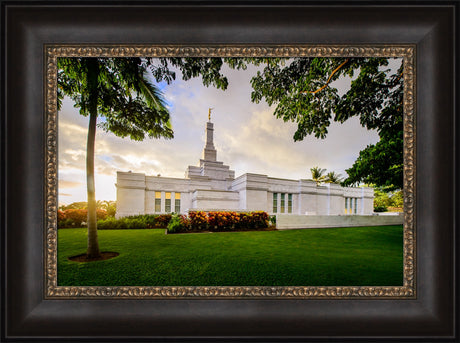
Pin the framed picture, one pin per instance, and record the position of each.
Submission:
(214, 198)
(46, 297)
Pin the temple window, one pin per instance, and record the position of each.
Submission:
(157, 201)
(168, 202)
(177, 203)
(275, 202)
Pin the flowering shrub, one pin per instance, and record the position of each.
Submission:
(76, 217)
(245, 220)
(259, 219)
(198, 220)
(185, 222)
(162, 220)
(61, 216)
(220, 221)
(101, 214)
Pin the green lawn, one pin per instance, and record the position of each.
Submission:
(365, 256)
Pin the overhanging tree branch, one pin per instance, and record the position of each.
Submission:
(329, 78)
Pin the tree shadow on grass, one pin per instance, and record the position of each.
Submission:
(105, 255)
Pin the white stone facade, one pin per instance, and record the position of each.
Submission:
(212, 186)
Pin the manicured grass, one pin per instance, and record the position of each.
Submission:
(365, 256)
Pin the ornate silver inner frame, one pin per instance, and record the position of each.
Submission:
(406, 291)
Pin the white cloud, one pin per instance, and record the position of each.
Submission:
(69, 184)
(247, 136)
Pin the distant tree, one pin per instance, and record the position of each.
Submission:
(381, 200)
(384, 199)
(317, 174)
(333, 177)
(303, 91)
(397, 199)
(380, 164)
(74, 206)
(109, 206)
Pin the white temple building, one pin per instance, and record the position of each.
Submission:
(211, 185)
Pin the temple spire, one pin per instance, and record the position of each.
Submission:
(209, 151)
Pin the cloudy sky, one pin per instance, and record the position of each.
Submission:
(247, 137)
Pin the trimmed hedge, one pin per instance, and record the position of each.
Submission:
(380, 208)
(77, 218)
(143, 221)
(217, 221)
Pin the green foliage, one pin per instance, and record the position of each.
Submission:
(177, 224)
(144, 221)
(383, 199)
(129, 103)
(380, 164)
(397, 199)
(303, 92)
(191, 67)
(66, 223)
(355, 256)
(174, 224)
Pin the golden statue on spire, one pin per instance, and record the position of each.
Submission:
(209, 113)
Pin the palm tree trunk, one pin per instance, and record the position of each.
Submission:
(93, 244)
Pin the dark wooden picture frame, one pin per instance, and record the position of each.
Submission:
(28, 28)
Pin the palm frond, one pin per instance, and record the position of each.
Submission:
(151, 94)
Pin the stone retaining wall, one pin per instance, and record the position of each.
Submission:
(286, 222)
